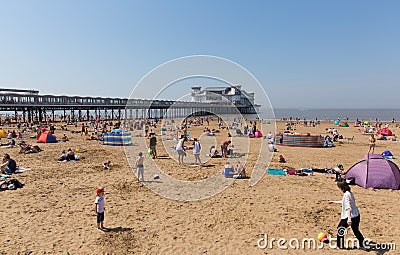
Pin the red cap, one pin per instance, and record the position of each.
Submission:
(99, 190)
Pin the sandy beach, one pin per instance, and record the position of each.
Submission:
(53, 213)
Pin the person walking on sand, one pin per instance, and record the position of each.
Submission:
(350, 216)
(196, 151)
(99, 208)
(153, 145)
(372, 141)
(140, 167)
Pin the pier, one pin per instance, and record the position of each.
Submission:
(36, 107)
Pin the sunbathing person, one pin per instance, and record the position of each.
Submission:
(9, 143)
(26, 148)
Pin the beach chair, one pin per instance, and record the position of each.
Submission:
(350, 139)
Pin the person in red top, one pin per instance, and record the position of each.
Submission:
(224, 148)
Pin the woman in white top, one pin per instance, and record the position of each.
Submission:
(180, 149)
(196, 151)
(350, 216)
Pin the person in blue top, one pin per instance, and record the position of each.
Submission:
(9, 165)
(228, 170)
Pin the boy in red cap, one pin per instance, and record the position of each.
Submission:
(99, 208)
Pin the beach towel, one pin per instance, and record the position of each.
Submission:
(21, 170)
(307, 171)
(276, 171)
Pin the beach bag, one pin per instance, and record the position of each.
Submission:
(351, 181)
(150, 152)
(17, 184)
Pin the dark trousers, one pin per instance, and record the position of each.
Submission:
(355, 223)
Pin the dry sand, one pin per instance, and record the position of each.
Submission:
(54, 212)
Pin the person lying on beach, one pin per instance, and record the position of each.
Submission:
(26, 148)
(9, 143)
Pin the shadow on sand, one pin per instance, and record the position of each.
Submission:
(117, 229)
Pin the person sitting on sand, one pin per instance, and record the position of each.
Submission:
(214, 153)
(240, 171)
(93, 137)
(9, 166)
(70, 155)
(228, 170)
(63, 156)
(282, 159)
(339, 171)
(230, 150)
(64, 138)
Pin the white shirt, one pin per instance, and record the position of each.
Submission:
(179, 145)
(196, 149)
(100, 204)
(349, 201)
(271, 147)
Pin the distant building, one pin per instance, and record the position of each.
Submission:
(233, 94)
(225, 95)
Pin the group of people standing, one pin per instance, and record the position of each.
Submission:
(180, 148)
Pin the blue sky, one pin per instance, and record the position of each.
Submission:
(306, 54)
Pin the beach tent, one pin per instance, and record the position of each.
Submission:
(384, 132)
(117, 137)
(345, 124)
(374, 171)
(336, 122)
(3, 133)
(46, 137)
